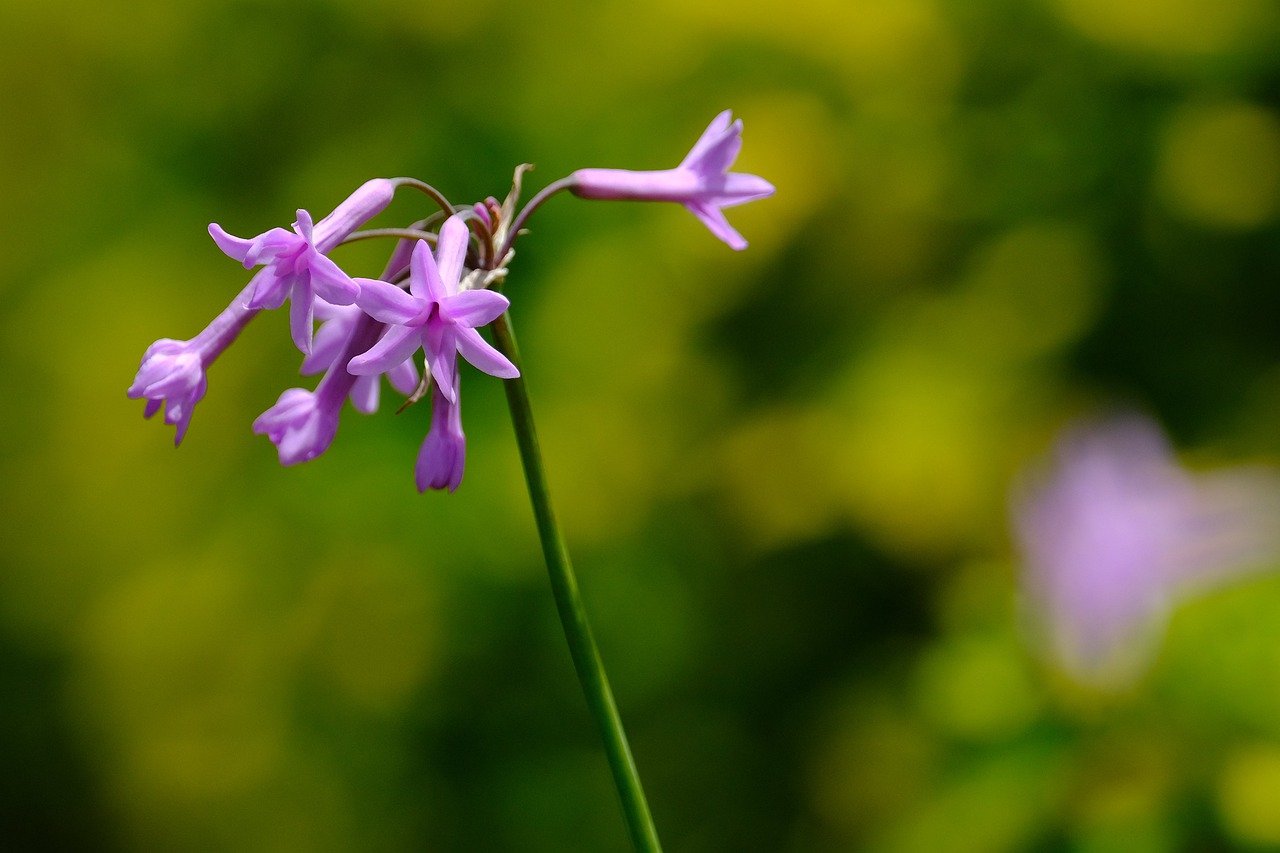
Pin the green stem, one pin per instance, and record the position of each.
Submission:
(573, 617)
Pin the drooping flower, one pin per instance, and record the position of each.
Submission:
(338, 324)
(702, 182)
(296, 263)
(1114, 533)
(302, 424)
(443, 454)
(172, 373)
(434, 315)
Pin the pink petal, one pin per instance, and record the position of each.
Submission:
(330, 282)
(236, 248)
(709, 137)
(474, 307)
(714, 220)
(364, 394)
(484, 357)
(404, 377)
(451, 251)
(424, 278)
(399, 343)
(388, 303)
(301, 308)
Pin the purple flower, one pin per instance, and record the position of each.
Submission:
(434, 315)
(702, 182)
(444, 450)
(1113, 533)
(172, 373)
(302, 424)
(339, 322)
(296, 265)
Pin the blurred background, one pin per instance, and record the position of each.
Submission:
(784, 474)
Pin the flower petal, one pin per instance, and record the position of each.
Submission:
(364, 394)
(301, 308)
(404, 377)
(442, 359)
(710, 136)
(236, 248)
(398, 344)
(718, 155)
(269, 289)
(388, 303)
(327, 343)
(484, 357)
(424, 277)
(451, 251)
(714, 219)
(330, 282)
(473, 308)
(738, 188)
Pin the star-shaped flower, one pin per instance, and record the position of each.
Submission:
(434, 315)
(702, 182)
(296, 266)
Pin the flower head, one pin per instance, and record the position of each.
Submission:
(443, 454)
(702, 182)
(434, 315)
(296, 266)
(1114, 532)
(302, 424)
(172, 373)
(172, 376)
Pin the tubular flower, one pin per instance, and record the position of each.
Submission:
(434, 315)
(1114, 532)
(338, 324)
(702, 182)
(296, 265)
(443, 454)
(302, 424)
(172, 373)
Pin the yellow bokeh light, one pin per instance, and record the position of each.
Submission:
(1247, 795)
(1166, 27)
(1220, 164)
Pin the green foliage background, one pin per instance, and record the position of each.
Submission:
(783, 473)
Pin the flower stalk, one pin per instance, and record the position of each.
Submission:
(573, 616)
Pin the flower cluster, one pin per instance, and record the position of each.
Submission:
(440, 287)
(1114, 533)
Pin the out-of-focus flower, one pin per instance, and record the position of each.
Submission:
(702, 182)
(297, 267)
(434, 315)
(337, 324)
(1114, 532)
(443, 454)
(172, 373)
(302, 424)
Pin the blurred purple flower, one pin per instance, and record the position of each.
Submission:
(1113, 533)
(443, 454)
(296, 264)
(702, 182)
(172, 373)
(434, 315)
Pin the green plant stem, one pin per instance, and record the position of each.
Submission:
(573, 617)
